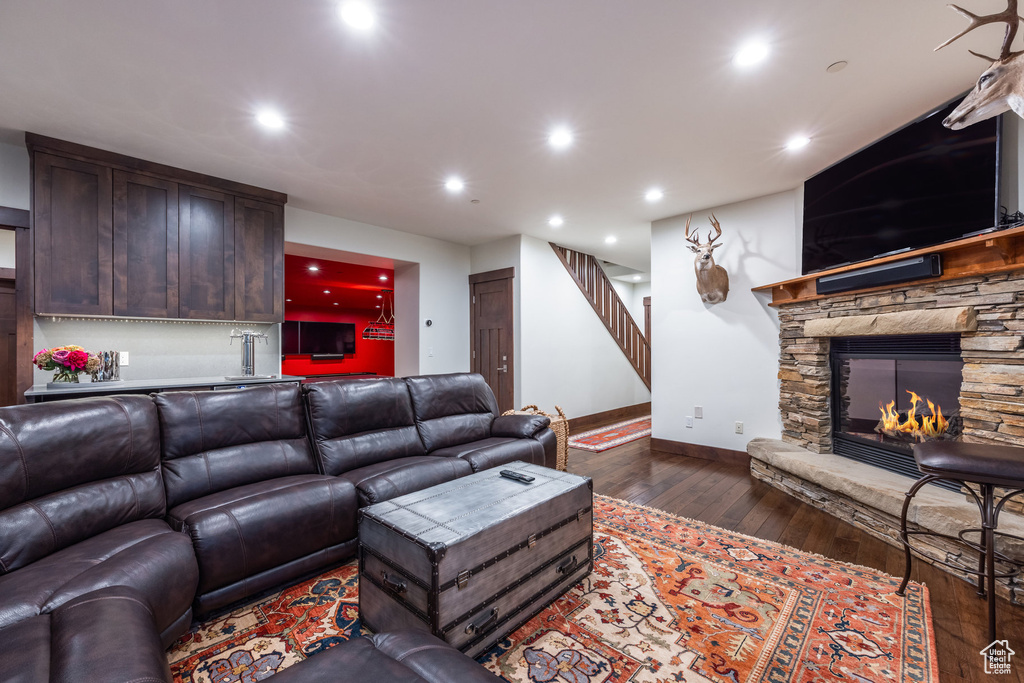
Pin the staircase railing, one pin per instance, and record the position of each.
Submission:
(588, 275)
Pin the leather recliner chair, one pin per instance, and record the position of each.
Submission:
(243, 484)
(82, 507)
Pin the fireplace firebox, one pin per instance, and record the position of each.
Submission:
(891, 392)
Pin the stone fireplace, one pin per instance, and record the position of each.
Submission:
(987, 312)
(979, 322)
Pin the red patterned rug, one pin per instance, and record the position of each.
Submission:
(669, 600)
(597, 440)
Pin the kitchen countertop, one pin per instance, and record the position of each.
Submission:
(142, 385)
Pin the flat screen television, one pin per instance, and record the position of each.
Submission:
(327, 338)
(919, 186)
(290, 337)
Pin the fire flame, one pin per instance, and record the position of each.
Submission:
(930, 426)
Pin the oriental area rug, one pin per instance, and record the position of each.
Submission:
(602, 439)
(669, 599)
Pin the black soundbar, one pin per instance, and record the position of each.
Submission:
(884, 274)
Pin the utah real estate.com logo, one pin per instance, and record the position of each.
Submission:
(997, 657)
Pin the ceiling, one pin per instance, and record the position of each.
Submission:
(376, 121)
(334, 285)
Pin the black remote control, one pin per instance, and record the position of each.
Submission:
(509, 474)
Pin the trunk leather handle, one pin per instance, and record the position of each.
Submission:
(394, 585)
(483, 622)
(567, 566)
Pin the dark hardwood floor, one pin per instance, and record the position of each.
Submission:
(727, 496)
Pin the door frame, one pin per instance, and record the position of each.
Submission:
(489, 276)
(19, 220)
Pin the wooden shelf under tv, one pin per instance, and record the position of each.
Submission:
(994, 252)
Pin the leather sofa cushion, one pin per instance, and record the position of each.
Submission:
(104, 635)
(487, 453)
(250, 529)
(519, 426)
(73, 469)
(386, 480)
(217, 440)
(359, 422)
(452, 409)
(407, 656)
(145, 555)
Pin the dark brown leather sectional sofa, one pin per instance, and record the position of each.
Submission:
(123, 517)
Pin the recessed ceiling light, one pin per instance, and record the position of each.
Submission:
(327, 291)
(376, 306)
(379, 296)
(357, 15)
(654, 194)
(836, 67)
(289, 300)
(314, 269)
(270, 119)
(383, 278)
(560, 138)
(750, 54)
(335, 303)
(610, 239)
(637, 278)
(454, 184)
(556, 221)
(798, 142)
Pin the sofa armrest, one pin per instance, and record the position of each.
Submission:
(519, 426)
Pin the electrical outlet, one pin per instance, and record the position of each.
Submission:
(739, 427)
(698, 412)
(122, 358)
(689, 421)
(430, 352)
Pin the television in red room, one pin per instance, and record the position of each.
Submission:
(327, 339)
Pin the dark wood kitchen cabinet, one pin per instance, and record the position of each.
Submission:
(145, 246)
(72, 213)
(259, 261)
(119, 236)
(207, 254)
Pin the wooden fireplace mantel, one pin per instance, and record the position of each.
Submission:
(996, 252)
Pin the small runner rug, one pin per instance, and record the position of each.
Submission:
(669, 600)
(597, 440)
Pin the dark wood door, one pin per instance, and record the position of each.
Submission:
(206, 254)
(8, 344)
(493, 339)
(145, 246)
(259, 261)
(73, 236)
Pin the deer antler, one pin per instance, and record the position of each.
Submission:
(718, 229)
(694, 238)
(1009, 16)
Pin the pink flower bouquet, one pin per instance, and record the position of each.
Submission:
(66, 361)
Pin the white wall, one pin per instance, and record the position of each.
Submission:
(6, 248)
(722, 357)
(441, 278)
(15, 177)
(568, 357)
(14, 193)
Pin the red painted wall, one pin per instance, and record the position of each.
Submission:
(372, 355)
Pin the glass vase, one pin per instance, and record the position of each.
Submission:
(65, 377)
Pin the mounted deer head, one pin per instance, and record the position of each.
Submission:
(1001, 87)
(712, 280)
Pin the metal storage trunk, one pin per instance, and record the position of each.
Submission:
(470, 560)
